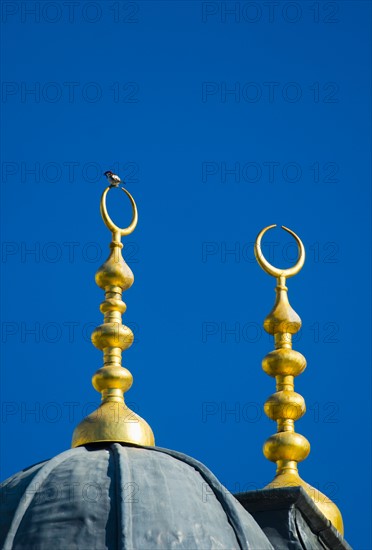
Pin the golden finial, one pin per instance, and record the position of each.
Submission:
(113, 420)
(287, 447)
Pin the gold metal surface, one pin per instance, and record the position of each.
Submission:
(285, 406)
(275, 271)
(108, 221)
(113, 420)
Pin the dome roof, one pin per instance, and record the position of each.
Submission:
(120, 497)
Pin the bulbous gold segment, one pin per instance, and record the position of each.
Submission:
(284, 362)
(114, 273)
(287, 448)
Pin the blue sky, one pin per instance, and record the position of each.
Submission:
(221, 123)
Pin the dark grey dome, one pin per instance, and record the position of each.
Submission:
(120, 497)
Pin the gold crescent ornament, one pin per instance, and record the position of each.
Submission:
(115, 229)
(276, 271)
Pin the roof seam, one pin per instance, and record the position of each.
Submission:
(214, 484)
(27, 498)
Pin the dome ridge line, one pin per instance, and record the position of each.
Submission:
(114, 463)
(27, 499)
(124, 519)
(221, 495)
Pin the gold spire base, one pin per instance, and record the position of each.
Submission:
(113, 422)
(289, 478)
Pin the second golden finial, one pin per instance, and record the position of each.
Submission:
(286, 447)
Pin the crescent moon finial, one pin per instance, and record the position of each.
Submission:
(109, 423)
(287, 447)
(116, 230)
(276, 271)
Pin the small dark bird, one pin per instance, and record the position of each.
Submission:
(113, 179)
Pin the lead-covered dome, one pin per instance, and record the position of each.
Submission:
(120, 497)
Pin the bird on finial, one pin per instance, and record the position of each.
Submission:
(113, 179)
